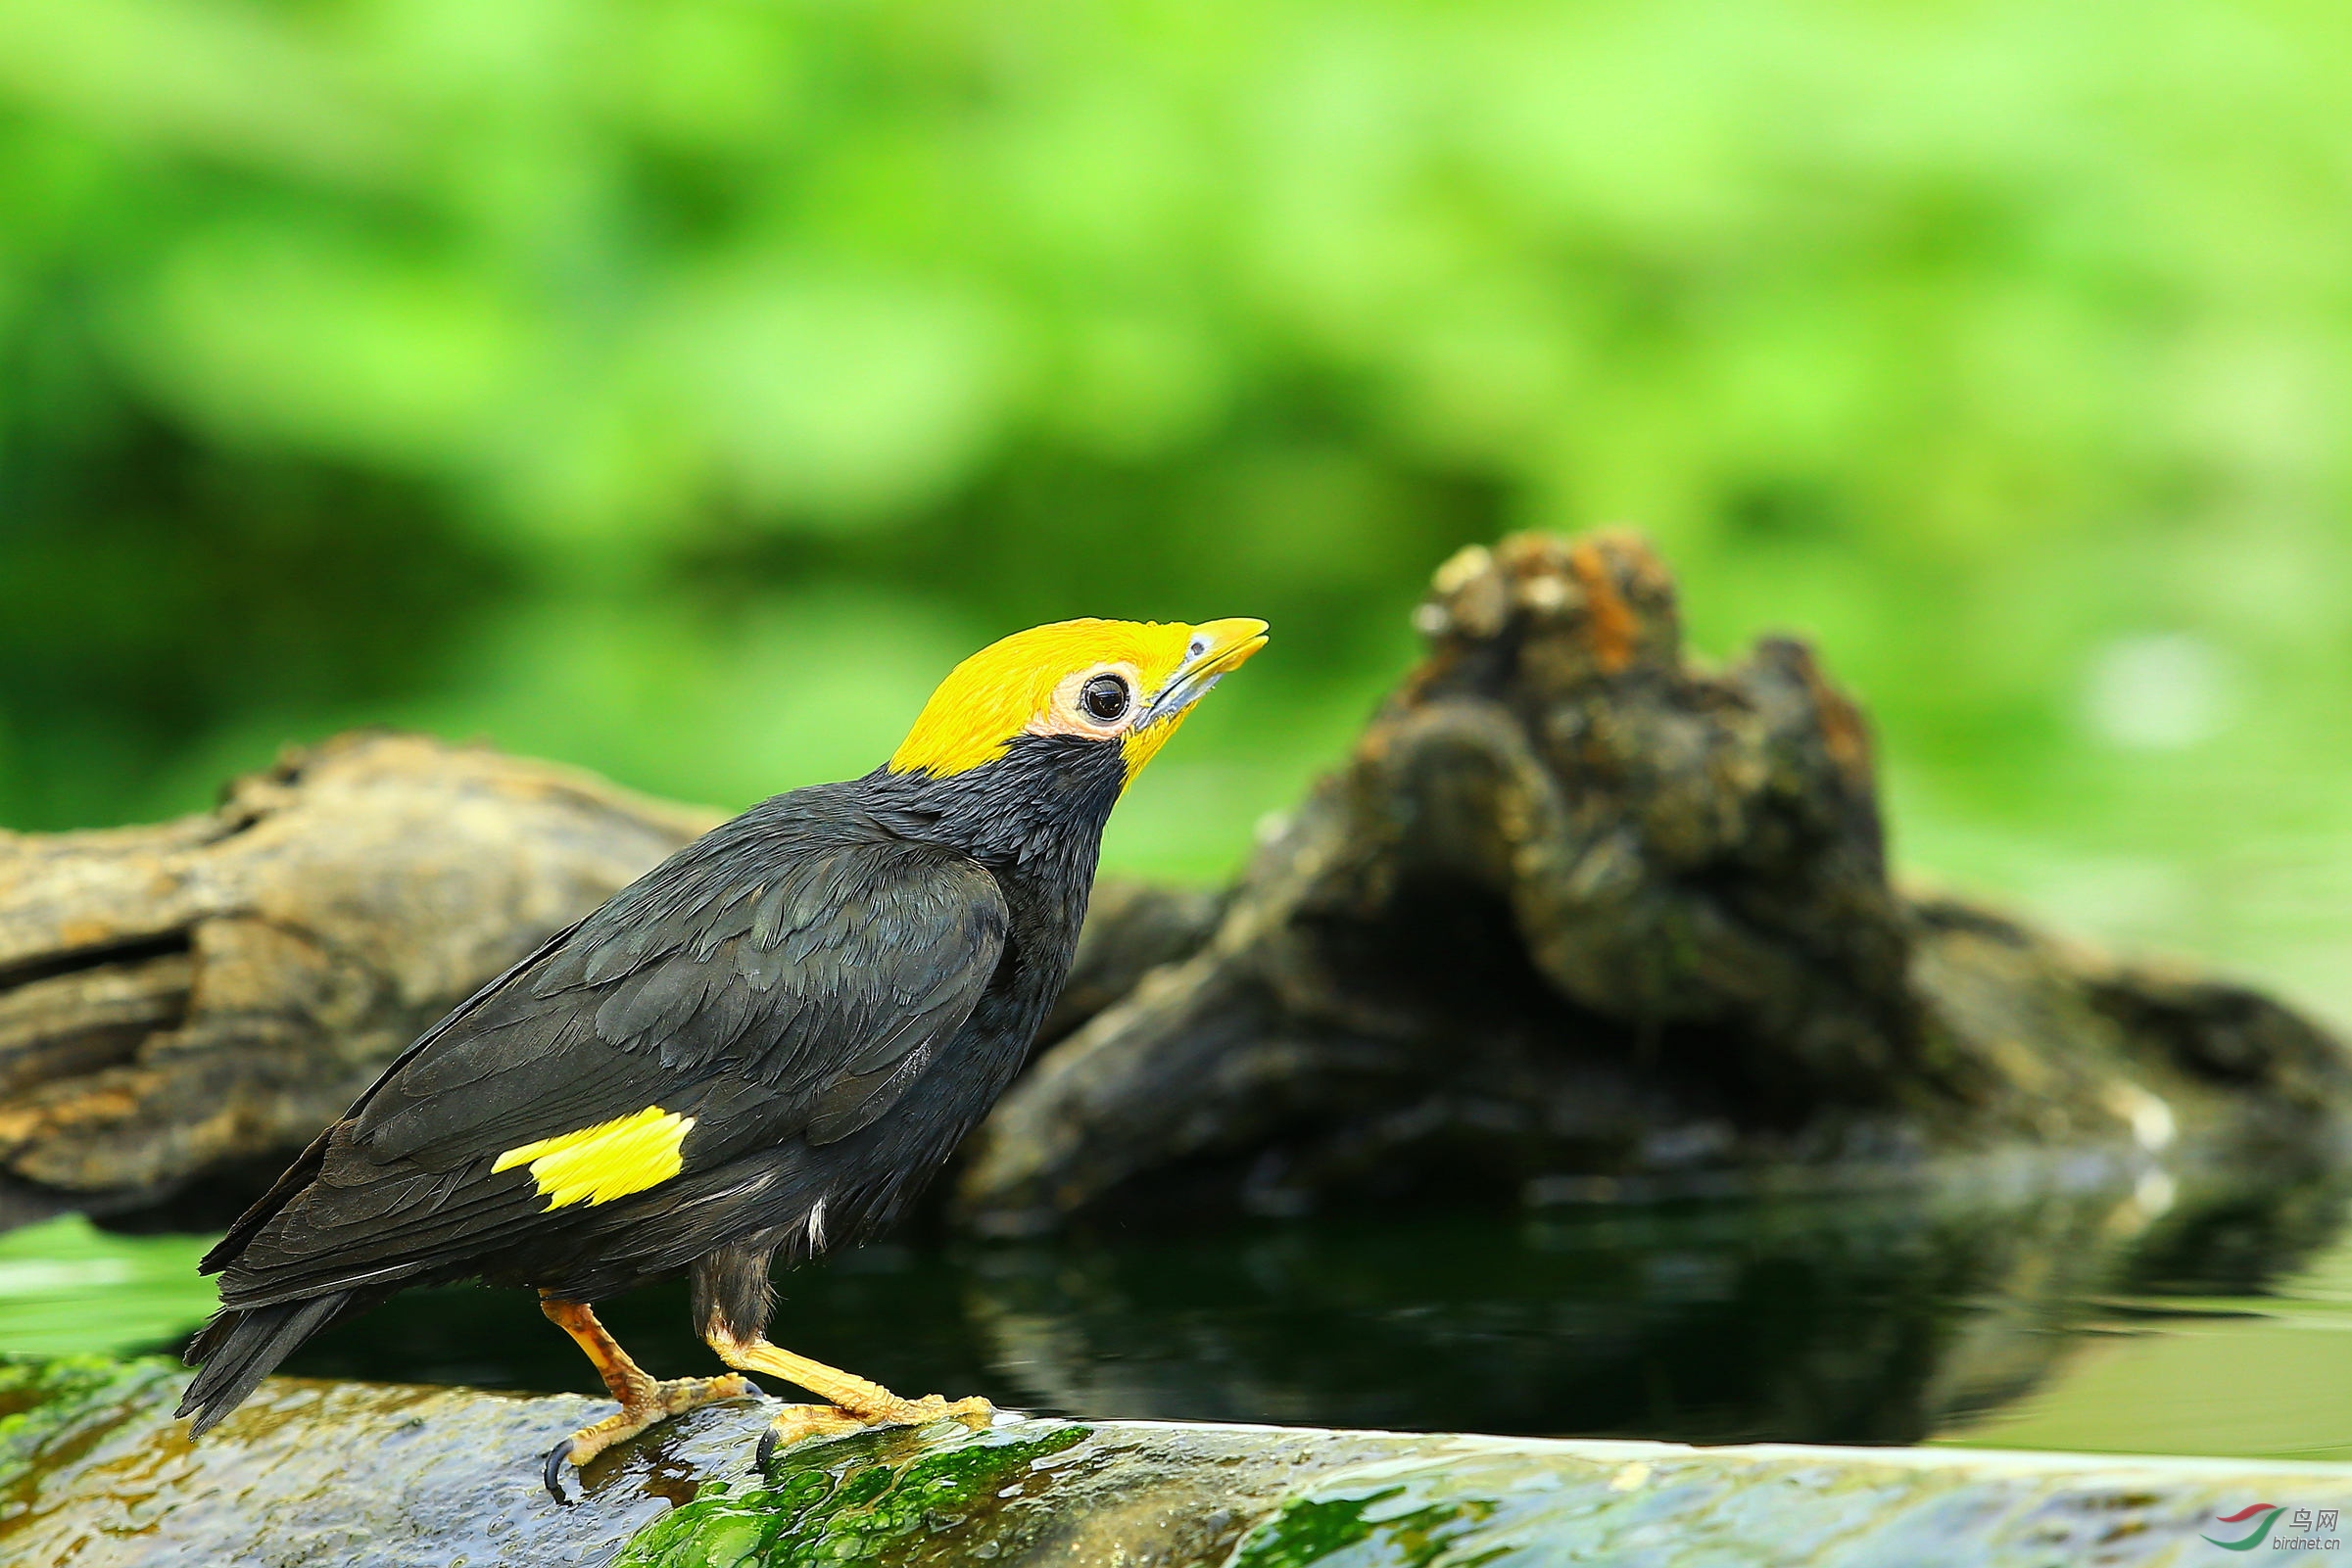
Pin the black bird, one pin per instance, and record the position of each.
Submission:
(763, 1047)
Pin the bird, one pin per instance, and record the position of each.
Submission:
(761, 1050)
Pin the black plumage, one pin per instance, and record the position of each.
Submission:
(835, 985)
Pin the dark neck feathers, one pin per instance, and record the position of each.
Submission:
(1040, 807)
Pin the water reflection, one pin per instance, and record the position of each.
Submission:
(1852, 1320)
(1882, 1318)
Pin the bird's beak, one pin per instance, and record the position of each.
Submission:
(1217, 647)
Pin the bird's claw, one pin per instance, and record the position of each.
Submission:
(552, 1472)
(659, 1403)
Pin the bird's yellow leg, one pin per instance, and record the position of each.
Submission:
(644, 1399)
(854, 1402)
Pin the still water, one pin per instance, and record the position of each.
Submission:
(2018, 1316)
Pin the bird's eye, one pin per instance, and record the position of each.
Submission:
(1105, 699)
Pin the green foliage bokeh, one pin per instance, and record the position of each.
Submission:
(679, 386)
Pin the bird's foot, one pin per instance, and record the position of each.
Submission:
(659, 1401)
(798, 1423)
(974, 1413)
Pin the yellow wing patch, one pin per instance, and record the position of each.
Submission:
(610, 1160)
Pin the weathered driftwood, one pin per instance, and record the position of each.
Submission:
(184, 998)
(1576, 912)
(97, 1473)
(1579, 908)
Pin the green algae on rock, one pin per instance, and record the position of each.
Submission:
(860, 1507)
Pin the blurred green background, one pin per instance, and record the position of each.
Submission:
(679, 386)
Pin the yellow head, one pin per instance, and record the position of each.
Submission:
(1128, 682)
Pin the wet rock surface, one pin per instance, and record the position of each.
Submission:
(92, 1471)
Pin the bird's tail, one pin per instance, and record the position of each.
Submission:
(239, 1349)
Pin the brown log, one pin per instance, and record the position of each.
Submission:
(1581, 916)
(1577, 917)
(183, 998)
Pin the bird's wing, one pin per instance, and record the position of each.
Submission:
(305, 1164)
(750, 990)
(814, 975)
